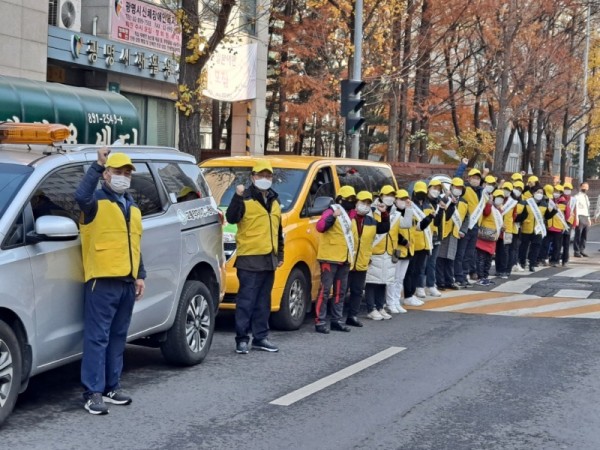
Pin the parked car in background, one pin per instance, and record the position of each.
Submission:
(41, 273)
(306, 187)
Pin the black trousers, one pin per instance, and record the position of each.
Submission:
(545, 248)
(356, 284)
(529, 249)
(484, 263)
(502, 257)
(253, 304)
(332, 276)
(581, 234)
(411, 282)
(444, 269)
(566, 243)
(374, 296)
(513, 252)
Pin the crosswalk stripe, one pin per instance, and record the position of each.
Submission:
(431, 304)
(576, 273)
(570, 312)
(591, 315)
(492, 301)
(558, 308)
(518, 286)
(499, 307)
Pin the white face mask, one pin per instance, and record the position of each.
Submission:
(434, 193)
(506, 193)
(538, 196)
(489, 188)
(457, 192)
(475, 181)
(119, 183)
(263, 183)
(498, 201)
(556, 195)
(363, 208)
(517, 192)
(388, 201)
(401, 204)
(567, 191)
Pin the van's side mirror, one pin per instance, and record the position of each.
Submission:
(319, 205)
(53, 228)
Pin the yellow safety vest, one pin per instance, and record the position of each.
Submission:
(418, 235)
(555, 221)
(258, 230)
(364, 244)
(332, 243)
(528, 226)
(111, 248)
(390, 241)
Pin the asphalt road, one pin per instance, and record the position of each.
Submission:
(464, 381)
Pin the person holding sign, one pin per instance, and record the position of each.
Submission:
(337, 247)
(558, 227)
(489, 231)
(533, 228)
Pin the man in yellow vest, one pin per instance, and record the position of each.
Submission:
(259, 239)
(111, 232)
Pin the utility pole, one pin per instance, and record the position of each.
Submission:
(356, 69)
(586, 55)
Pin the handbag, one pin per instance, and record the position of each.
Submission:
(487, 234)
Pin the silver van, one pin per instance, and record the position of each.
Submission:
(41, 274)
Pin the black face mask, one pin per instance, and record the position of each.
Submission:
(420, 196)
(348, 205)
(584, 190)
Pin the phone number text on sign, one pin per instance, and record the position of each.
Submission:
(106, 119)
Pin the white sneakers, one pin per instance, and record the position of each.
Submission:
(518, 268)
(433, 292)
(375, 315)
(396, 309)
(384, 314)
(413, 301)
(420, 292)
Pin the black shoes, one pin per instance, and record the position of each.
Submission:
(264, 345)
(339, 326)
(353, 322)
(241, 348)
(585, 255)
(322, 328)
(453, 286)
(577, 255)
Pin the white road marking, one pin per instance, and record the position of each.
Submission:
(575, 273)
(518, 286)
(492, 301)
(329, 380)
(590, 315)
(573, 293)
(547, 308)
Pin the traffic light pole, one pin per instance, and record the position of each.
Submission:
(356, 67)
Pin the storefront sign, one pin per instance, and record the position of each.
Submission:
(231, 73)
(140, 23)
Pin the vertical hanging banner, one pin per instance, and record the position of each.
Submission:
(231, 74)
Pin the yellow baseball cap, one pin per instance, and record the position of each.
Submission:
(459, 182)
(474, 172)
(387, 189)
(117, 160)
(568, 186)
(516, 176)
(347, 192)
(507, 185)
(402, 193)
(498, 193)
(533, 179)
(364, 195)
(490, 179)
(420, 186)
(518, 185)
(434, 182)
(549, 190)
(559, 188)
(262, 164)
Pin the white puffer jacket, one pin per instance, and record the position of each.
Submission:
(381, 270)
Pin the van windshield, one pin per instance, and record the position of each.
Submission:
(12, 177)
(223, 180)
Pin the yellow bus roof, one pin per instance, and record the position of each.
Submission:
(286, 161)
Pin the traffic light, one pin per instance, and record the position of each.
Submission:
(351, 101)
(353, 124)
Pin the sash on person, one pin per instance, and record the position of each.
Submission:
(559, 214)
(509, 205)
(395, 217)
(420, 215)
(540, 228)
(498, 219)
(478, 211)
(456, 218)
(572, 204)
(346, 225)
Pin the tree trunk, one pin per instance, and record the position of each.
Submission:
(538, 142)
(215, 119)
(563, 144)
(406, 57)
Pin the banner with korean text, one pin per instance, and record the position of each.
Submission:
(231, 73)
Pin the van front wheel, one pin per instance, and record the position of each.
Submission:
(10, 370)
(293, 302)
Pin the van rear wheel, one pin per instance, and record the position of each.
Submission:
(294, 301)
(189, 339)
(10, 370)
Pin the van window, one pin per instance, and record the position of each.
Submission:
(321, 186)
(365, 178)
(55, 196)
(223, 180)
(184, 180)
(12, 177)
(143, 190)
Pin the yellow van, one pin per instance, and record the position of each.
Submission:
(306, 187)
